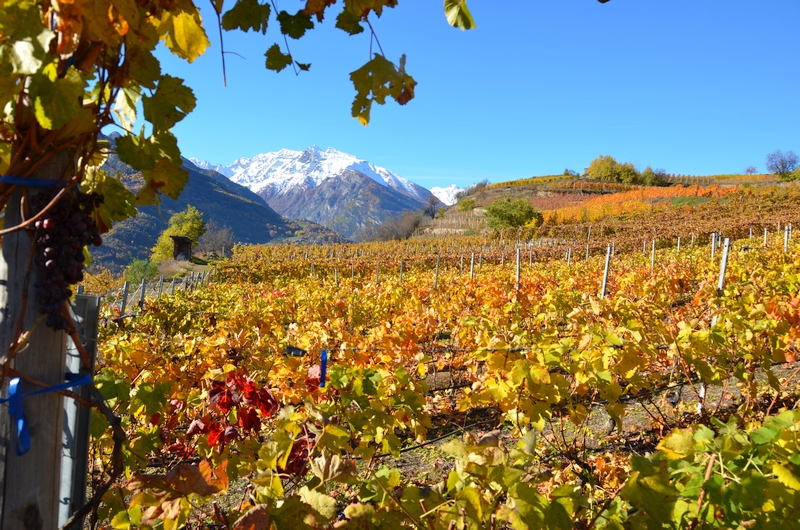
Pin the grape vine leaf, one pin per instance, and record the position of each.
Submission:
(295, 26)
(218, 5)
(317, 8)
(303, 66)
(57, 100)
(256, 518)
(378, 79)
(276, 59)
(165, 178)
(349, 23)
(247, 15)
(362, 8)
(142, 65)
(458, 14)
(125, 105)
(169, 104)
(119, 203)
(183, 34)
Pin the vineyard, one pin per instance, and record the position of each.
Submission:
(469, 383)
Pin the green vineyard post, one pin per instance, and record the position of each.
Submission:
(605, 272)
(124, 303)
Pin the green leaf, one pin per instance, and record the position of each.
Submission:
(303, 66)
(295, 26)
(764, 435)
(276, 59)
(349, 23)
(362, 8)
(375, 81)
(458, 14)
(677, 444)
(322, 504)
(142, 64)
(170, 103)
(125, 105)
(184, 34)
(119, 203)
(57, 100)
(165, 178)
(786, 477)
(247, 15)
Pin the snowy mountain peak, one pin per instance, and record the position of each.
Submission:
(286, 169)
(447, 195)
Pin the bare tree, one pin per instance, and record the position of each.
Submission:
(782, 164)
(217, 238)
(751, 170)
(432, 206)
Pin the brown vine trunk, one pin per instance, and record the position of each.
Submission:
(30, 483)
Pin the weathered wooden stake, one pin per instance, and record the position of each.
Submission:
(472, 267)
(436, 276)
(141, 296)
(124, 303)
(605, 273)
(518, 271)
(765, 237)
(653, 256)
(160, 286)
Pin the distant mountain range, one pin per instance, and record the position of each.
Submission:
(228, 204)
(331, 188)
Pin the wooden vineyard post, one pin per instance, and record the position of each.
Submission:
(160, 286)
(185, 284)
(401, 270)
(436, 276)
(653, 256)
(713, 244)
(353, 270)
(605, 273)
(720, 291)
(124, 303)
(518, 271)
(765, 237)
(679, 245)
(141, 296)
(30, 482)
(587, 252)
(336, 276)
(644, 247)
(569, 256)
(751, 233)
(85, 313)
(786, 239)
(172, 293)
(472, 267)
(692, 239)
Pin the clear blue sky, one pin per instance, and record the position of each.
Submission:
(693, 87)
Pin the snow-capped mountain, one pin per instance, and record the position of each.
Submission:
(447, 195)
(329, 187)
(285, 169)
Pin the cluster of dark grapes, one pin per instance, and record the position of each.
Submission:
(61, 235)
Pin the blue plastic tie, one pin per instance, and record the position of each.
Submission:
(31, 183)
(323, 368)
(17, 411)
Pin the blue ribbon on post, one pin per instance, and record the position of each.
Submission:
(17, 411)
(323, 368)
(31, 183)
